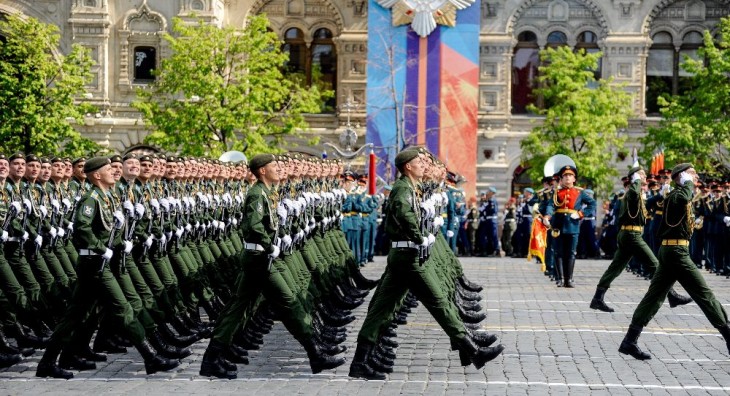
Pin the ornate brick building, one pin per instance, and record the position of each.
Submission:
(642, 41)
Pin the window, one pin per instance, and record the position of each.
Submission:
(588, 41)
(664, 74)
(144, 64)
(316, 64)
(524, 71)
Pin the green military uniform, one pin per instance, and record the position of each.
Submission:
(676, 265)
(404, 271)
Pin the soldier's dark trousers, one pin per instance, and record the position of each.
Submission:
(630, 244)
(675, 265)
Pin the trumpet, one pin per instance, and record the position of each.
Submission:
(554, 232)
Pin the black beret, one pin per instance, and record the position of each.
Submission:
(679, 168)
(32, 158)
(405, 157)
(145, 158)
(115, 158)
(95, 163)
(77, 160)
(3, 157)
(260, 160)
(45, 160)
(15, 156)
(56, 159)
(129, 156)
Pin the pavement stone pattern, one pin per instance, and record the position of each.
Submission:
(555, 344)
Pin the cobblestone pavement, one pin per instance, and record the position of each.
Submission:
(555, 344)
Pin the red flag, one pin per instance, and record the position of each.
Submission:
(373, 175)
(538, 242)
(661, 159)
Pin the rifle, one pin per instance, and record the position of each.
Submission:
(9, 217)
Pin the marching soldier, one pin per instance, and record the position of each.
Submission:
(675, 265)
(96, 224)
(631, 221)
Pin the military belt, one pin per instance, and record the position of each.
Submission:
(510, 220)
(88, 252)
(675, 242)
(13, 239)
(490, 217)
(253, 246)
(658, 212)
(403, 244)
(569, 211)
(632, 228)
(589, 218)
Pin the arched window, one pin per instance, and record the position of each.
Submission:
(556, 39)
(664, 73)
(324, 64)
(525, 62)
(316, 64)
(589, 42)
(145, 62)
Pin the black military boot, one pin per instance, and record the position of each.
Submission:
(177, 340)
(25, 339)
(7, 360)
(482, 338)
(103, 343)
(47, 366)
(469, 285)
(165, 350)
(629, 345)
(468, 295)
(389, 342)
(212, 312)
(478, 356)
(231, 354)
(725, 331)
(568, 267)
(70, 361)
(213, 364)
(559, 271)
(597, 301)
(152, 361)
(675, 299)
(8, 349)
(181, 327)
(472, 317)
(363, 282)
(319, 361)
(86, 353)
(360, 367)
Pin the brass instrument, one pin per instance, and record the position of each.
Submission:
(698, 224)
(555, 232)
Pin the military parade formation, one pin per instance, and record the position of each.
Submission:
(158, 252)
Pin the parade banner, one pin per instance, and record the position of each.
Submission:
(538, 238)
(423, 90)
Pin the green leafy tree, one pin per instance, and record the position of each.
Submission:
(583, 118)
(696, 125)
(39, 90)
(223, 89)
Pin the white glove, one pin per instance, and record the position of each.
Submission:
(424, 242)
(215, 223)
(325, 221)
(77, 198)
(56, 205)
(665, 189)
(163, 240)
(38, 240)
(108, 254)
(139, 210)
(155, 204)
(70, 227)
(149, 240)
(222, 225)
(188, 227)
(239, 199)
(300, 234)
(44, 210)
(128, 207)
(25, 236)
(66, 203)
(61, 232)
(286, 240)
(685, 177)
(127, 246)
(234, 221)
(179, 232)
(16, 205)
(118, 220)
(449, 234)
(27, 204)
(546, 222)
(725, 219)
(275, 253)
(282, 212)
(431, 239)
(53, 232)
(574, 216)
(4, 236)
(165, 204)
(635, 176)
